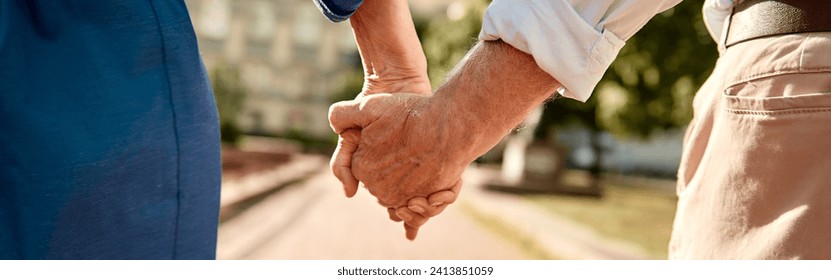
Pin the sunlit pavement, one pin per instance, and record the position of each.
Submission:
(313, 220)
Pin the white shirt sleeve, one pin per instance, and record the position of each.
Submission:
(573, 40)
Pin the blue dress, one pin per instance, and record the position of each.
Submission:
(109, 139)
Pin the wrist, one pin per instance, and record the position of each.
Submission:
(468, 133)
(396, 82)
(492, 90)
(389, 47)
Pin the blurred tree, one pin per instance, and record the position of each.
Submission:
(229, 93)
(446, 41)
(351, 83)
(648, 88)
(651, 84)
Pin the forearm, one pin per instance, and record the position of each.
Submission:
(389, 47)
(490, 92)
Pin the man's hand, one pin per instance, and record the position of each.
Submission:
(425, 144)
(411, 145)
(394, 170)
(408, 145)
(398, 146)
(393, 62)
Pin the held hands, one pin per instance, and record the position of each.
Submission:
(396, 72)
(385, 144)
(409, 149)
(397, 147)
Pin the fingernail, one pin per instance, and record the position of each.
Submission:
(437, 203)
(417, 209)
(404, 215)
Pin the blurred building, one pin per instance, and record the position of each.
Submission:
(289, 56)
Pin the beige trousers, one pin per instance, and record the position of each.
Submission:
(755, 174)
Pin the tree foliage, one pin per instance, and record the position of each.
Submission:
(446, 41)
(229, 93)
(649, 87)
(651, 84)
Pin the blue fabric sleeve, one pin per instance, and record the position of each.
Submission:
(338, 10)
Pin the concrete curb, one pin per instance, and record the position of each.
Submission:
(299, 166)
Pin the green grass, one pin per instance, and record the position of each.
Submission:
(640, 215)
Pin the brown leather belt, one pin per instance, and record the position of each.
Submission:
(753, 19)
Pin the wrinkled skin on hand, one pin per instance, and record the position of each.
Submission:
(409, 145)
(393, 62)
(398, 146)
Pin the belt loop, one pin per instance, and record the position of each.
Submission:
(722, 44)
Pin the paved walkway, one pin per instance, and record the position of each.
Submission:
(313, 220)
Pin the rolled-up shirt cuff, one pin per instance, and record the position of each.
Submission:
(338, 10)
(562, 43)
